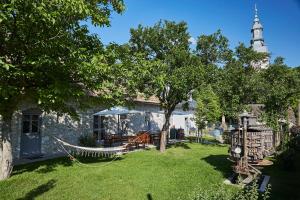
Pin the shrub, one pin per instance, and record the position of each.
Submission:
(251, 193)
(87, 141)
(215, 192)
(220, 192)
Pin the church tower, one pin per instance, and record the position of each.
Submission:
(258, 43)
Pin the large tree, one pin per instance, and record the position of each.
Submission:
(208, 108)
(239, 84)
(46, 57)
(281, 91)
(297, 102)
(169, 70)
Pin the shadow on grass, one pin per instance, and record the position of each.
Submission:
(179, 144)
(220, 163)
(50, 165)
(213, 143)
(88, 160)
(43, 166)
(149, 196)
(39, 190)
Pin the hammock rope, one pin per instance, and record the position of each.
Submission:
(83, 164)
(89, 151)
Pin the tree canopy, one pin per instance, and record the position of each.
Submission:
(47, 58)
(281, 90)
(208, 107)
(172, 71)
(44, 51)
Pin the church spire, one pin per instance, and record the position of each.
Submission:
(258, 42)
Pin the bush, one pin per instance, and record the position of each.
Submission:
(215, 192)
(220, 192)
(87, 141)
(251, 193)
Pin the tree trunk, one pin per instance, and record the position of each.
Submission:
(6, 158)
(201, 135)
(164, 132)
(1, 153)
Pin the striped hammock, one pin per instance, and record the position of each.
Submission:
(89, 151)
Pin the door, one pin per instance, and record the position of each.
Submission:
(99, 129)
(31, 136)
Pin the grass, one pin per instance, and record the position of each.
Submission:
(140, 175)
(206, 138)
(149, 175)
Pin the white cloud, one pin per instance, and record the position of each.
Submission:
(193, 41)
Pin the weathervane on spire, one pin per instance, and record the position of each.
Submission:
(256, 15)
(255, 9)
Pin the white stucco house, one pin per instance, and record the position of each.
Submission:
(33, 129)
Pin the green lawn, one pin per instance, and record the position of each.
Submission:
(147, 175)
(139, 175)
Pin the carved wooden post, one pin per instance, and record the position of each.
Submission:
(244, 120)
(245, 138)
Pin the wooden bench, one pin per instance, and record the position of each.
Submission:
(142, 138)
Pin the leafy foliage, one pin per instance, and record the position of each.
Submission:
(207, 108)
(45, 53)
(281, 91)
(238, 83)
(220, 192)
(174, 72)
(169, 70)
(49, 59)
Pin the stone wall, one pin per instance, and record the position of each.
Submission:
(64, 127)
(51, 124)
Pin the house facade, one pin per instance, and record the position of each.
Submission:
(33, 130)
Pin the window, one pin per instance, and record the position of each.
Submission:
(98, 127)
(148, 121)
(30, 123)
(96, 122)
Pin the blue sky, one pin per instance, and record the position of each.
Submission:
(280, 18)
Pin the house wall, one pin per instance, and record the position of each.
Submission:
(51, 124)
(138, 121)
(185, 122)
(68, 129)
(64, 127)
